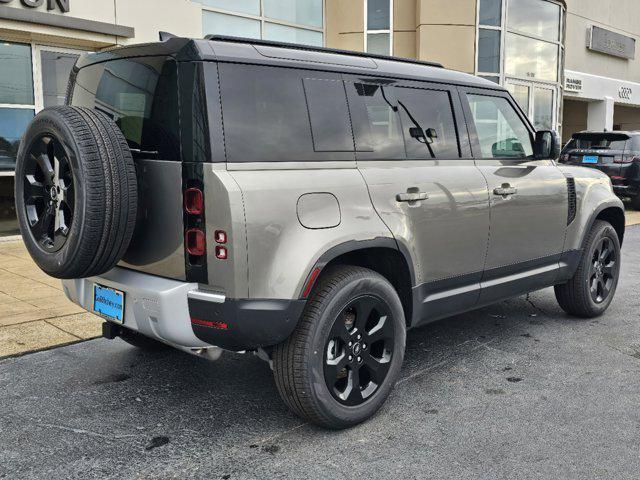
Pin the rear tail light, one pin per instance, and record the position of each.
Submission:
(220, 236)
(195, 242)
(194, 201)
(222, 253)
(626, 159)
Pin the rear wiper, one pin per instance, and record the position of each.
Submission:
(144, 152)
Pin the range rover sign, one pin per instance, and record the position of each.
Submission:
(611, 43)
(62, 5)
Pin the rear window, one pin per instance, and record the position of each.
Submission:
(428, 123)
(141, 96)
(597, 142)
(376, 123)
(273, 114)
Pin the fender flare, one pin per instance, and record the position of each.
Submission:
(353, 246)
(594, 215)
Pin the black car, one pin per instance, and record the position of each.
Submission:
(615, 153)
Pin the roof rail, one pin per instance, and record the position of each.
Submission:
(296, 46)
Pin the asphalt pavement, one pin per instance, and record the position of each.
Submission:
(514, 391)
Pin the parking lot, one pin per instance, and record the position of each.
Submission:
(512, 391)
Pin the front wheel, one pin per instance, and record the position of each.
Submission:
(591, 290)
(340, 364)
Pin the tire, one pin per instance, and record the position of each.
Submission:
(599, 266)
(304, 363)
(76, 192)
(142, 342)
(635, 202)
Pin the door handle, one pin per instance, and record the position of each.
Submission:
(411, 197)
(505, 190)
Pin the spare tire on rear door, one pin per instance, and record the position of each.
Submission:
(76, 192)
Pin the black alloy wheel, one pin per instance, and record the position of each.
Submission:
(359, 350)
(603, 271)
(344, 357)
(48, 192)
(593, 286)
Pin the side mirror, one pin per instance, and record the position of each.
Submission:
(547, 145)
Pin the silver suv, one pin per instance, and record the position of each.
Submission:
(308, 205)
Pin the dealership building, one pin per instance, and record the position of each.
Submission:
(571, 64)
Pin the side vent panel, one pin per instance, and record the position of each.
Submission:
(573, 203)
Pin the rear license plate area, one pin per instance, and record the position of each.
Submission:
(108, 303)
(590, 159)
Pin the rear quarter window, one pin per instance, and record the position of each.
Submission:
(141, 96)
(273, 114)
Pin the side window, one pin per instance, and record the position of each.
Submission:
(428, 124)
(501, 132)
(376, 124)
(329, 116)
(266, 118)
(141, 96)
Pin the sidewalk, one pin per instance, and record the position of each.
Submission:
(34, 312)
(36, 315)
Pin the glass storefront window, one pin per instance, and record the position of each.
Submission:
(252, 7)
(543, 109)
(378, 14)
(529, 58)
(520, 94)
(491, 12)
(302, 12)
(379, 43)
(489, 51)
(283, 33)
(56, 68)
(535, 17)
(491, 78)
(214, 23)
(16, 76)
(268, 19)
(13, 122)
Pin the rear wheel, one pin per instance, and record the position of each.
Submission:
(343, 359)
(591, 290)
(635, 202)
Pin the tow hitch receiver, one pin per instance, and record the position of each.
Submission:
(111, 330)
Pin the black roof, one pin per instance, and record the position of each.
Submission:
(263, 52)
(308, 48)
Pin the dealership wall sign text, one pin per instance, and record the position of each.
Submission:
(62, 5)
(625, 93)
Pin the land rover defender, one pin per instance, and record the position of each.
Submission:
(306, 204)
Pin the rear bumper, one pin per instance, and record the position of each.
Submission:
(154, 306)
(179, 314)
(243, 324)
